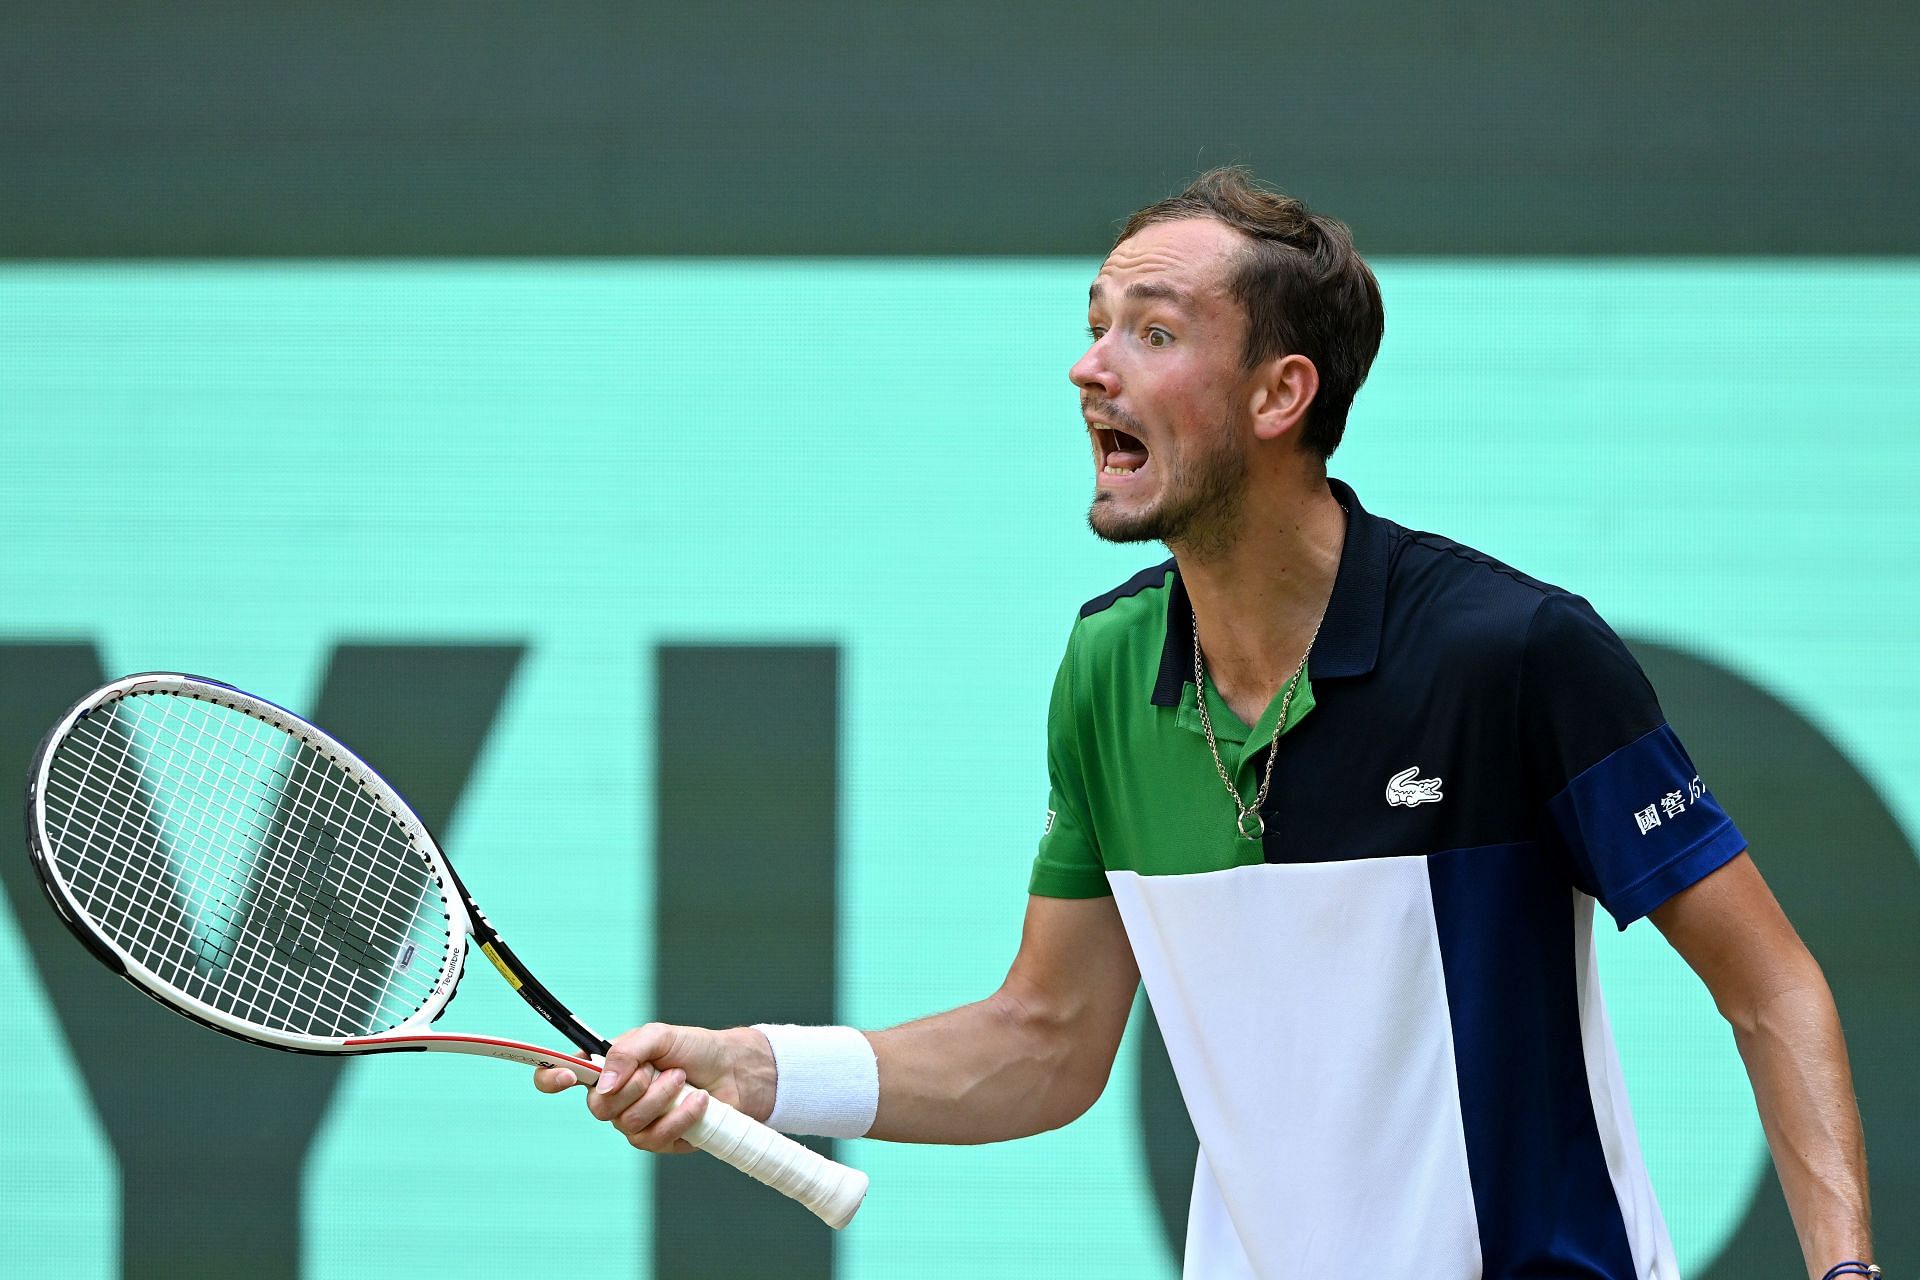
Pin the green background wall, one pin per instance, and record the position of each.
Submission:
(235, 468)
(634, 390)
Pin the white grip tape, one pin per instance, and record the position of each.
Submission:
(832, 1191)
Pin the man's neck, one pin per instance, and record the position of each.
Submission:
(1257, 600)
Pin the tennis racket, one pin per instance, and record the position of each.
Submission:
(249, 872)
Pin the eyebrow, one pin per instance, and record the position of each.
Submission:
(1145, 289)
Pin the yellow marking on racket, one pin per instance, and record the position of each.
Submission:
(501, 965)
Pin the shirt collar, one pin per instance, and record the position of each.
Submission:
(1349, 643)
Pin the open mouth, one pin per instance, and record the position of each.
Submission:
(1120, 454)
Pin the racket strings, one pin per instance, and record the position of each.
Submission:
(264, 1002)
(114, 783)
(244, 867)
(309, 780)
(140, 847)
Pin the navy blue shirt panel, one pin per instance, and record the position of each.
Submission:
(1537, 721)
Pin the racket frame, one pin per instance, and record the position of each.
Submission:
(465, 919)
(832, 1191)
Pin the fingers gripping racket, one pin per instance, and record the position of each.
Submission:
(243, 868)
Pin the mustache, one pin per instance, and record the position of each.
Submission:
(1108, 411)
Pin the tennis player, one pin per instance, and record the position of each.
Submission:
(1345, 795)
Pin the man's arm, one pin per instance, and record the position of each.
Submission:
(1770, 989)
(1031, 1057)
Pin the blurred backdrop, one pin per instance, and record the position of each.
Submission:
(595, 414)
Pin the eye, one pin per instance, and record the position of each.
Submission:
(1095, 330)
(1159, 338)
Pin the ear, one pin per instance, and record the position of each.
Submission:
(1283, 388)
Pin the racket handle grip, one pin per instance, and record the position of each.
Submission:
(832, 1191)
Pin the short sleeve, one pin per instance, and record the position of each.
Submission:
(1622, 794)
(1068, 862)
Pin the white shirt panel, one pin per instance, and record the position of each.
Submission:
(1213, 1244)
(1305, 1013)
(1653, 1257)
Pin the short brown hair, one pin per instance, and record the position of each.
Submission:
(1303, 287)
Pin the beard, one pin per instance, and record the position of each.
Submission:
(1201, 495)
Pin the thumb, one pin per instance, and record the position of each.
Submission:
(554, 1079)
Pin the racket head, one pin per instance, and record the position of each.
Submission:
(243, 867)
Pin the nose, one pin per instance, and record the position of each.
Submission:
(1091, 373)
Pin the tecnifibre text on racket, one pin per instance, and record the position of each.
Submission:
(249, 872)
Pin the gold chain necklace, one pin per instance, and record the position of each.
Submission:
(1259, 826)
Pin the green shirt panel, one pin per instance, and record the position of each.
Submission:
(1132, 786)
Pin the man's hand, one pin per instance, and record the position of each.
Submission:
(646, 1067)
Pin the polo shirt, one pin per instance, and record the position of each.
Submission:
(1384, 1013)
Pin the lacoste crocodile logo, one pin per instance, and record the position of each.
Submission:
(1404, 788)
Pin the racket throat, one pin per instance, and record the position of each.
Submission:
(542, 1001)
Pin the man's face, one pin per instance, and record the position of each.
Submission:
(1160, 388)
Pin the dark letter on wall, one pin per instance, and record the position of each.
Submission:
(210, 1134)
(747, 744)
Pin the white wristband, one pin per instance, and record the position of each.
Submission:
(827, 1080)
